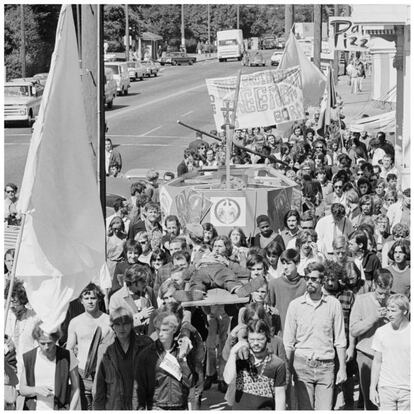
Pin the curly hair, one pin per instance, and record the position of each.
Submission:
(18, 292)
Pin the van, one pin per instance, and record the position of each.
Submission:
(121, 76)
(230, 45)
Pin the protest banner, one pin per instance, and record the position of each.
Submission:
(345, 35)
(269, 97)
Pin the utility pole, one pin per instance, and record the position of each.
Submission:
(289, 18)
(336, 52)
(238, 15)
(208, 27)
(317, 34)
(22, 42)
(182, 28)
(126, 33)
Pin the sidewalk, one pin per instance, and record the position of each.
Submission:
(355, 105)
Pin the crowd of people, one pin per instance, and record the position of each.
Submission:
(327, 296)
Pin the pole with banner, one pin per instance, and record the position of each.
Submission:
(230, 129)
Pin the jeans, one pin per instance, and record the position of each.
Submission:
(218, 325)
(314, 385)
(85, 385)
(394, 399)
(364, 362)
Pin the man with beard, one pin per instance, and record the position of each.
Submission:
(314, 330)
(261, 378)
(367, 315)
(336, 285)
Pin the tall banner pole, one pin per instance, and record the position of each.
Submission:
(230, 130)
(13, 272)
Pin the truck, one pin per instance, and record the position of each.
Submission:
(230, 45)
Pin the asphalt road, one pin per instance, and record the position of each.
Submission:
(143, 125)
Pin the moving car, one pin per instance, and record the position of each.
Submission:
(22, 98)
(257, 59)
(110, 87)
(276, 58)
(176, 58)
(230, 45)
(136, 70)
(121, 76)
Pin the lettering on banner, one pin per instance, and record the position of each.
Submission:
(265, 98)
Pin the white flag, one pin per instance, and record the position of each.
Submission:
(313, 80)
(63, 239)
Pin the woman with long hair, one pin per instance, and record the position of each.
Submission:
(239, 243)
(400, 268)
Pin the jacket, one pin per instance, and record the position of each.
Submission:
(156, 387)
(109, 390)
(61, 389)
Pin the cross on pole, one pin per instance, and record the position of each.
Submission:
(226, 110)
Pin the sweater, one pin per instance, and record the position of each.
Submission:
(282, 292)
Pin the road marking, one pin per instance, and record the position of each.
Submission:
(152, 130)
(145, 136)
(187, 113)
(16, 143)
(16, 135)
(121, 112)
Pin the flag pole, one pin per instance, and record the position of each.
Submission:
(13, 272)
(229, 140)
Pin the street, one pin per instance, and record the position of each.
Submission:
(143, 125)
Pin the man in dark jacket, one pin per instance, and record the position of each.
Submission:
(115, 386)
(164, 377)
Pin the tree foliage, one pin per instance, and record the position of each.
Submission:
(162, 19)
(40, 23)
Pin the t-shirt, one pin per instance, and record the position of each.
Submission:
(401, 280)
(44, 373)
(255, 384)
(394, 346)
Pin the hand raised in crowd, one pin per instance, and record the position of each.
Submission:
(146, 312)
(185, 346)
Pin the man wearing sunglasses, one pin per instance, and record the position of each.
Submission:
(10, 205)
(314, 330)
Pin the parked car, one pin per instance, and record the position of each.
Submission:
(281, 42)
(136, 70)
(110, 88)
(121, 76)
(276, 58)
(41, 77)
(22, 98)
(155, 67)
(257, 59)
(176, 58)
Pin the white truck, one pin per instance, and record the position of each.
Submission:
(230, 45)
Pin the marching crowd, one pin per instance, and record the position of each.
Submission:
(326, 298)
